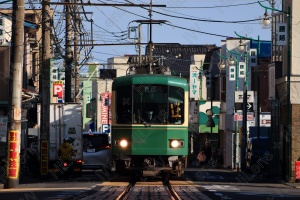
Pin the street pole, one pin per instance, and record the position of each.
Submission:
(236, 122)
(45, 89)
(288, 136)
(68, 55)
(244, 126)
(15, 105)
(258, 89)
(237, 135)
(76, 56)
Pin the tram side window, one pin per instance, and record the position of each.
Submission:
(176, 99)
(124, 105)
(150, 104)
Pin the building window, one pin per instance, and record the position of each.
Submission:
(1, 32)
(1, 22)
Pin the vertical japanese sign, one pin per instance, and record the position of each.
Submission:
(105, 108)
(3, 129)
(253, 57)
(13, 160)
(242, 68)
(44, 157)
(194, 82)
(282, 34)
(232, 73)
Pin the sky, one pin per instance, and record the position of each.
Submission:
(187, 22)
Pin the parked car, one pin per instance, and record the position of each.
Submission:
(96, 151)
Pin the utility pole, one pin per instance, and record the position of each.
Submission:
(15, 103)
(76, 56)
(150, 41)
(68, 55)
(45, 89)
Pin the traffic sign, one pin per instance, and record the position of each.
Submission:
(58, 90)
(249, 106)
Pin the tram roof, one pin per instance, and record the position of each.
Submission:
(150, 79)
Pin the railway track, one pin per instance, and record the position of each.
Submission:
(125, 189)
(136, 191)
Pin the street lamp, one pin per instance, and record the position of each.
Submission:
(233, 62)
(258, 94)
(266, 20)
(241, 47)
(245, 55)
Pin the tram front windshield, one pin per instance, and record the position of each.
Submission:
(154, 104)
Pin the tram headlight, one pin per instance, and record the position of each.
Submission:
(123, 143)
(176, 144)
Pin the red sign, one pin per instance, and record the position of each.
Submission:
(14, 153)
(239, 116)
(297, 169)
(58, 90)
(105, 108)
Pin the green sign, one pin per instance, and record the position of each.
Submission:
(209, 116)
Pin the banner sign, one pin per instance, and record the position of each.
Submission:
(194, 82)
(13, 153)
(105, 108)
(232, 73)
(242, 69)
(282, 34)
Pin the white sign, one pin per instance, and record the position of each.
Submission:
(238, 96)
(282, 34)
(3, 128)
(232, 73)
(265, 120)
(242, 69)
(253, 57)
(105, 128)
(194, 82)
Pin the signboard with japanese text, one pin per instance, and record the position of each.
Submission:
(13, 161)
(282, 34)
(44, 157)
(3, 128)
(105, 108)
(194, 82)
(253, 57)
(242, 69)
(238, 116)
(232, 73)
(265, 119)
(239, 96)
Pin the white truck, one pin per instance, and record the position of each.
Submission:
(65, 122)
